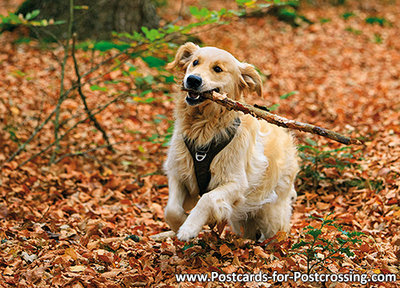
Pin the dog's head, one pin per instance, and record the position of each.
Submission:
(211, 69)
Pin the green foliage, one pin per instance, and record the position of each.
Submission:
(153, 47)
(13, 133)
(282, 97)
(267, 3)
(290, 15)
(81, 7)
(162, 139)
(376, 20)
(378, 38)
(287, 95)
(273, 107)
(324, 20)
(154, 62)
(200, 13)
(28, 20)
(152, 34)
(319, 248)
(98, 88)
(316, 161)
(347, 15)
(354, 31)
(108, 45)
(284, 10)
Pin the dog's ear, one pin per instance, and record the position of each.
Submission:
(250, 79)
(183, 56)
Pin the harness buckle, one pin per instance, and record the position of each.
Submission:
(200, 156)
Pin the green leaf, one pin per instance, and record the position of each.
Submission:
(32, 15)
(324, 20)
(169, 79)
(347, 15)
(149, 100)
(187, 246)
(378, 38)
(98, 88)
(107, 45)
(314, 233)
(172, 29)
(300, 244)
(199, 13)
(347, 251)
(154, 62)
(287, 95)
(376, 20)
(273, 107)
(152, 34)
(145, 92)
(81, 7)
(44, 22)
(311, 142)
(59, 22)
(354, 31)
(243, 2)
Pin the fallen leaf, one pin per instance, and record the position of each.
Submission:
(77, 268)
(224, 250)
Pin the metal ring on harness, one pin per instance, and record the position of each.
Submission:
(200, 157)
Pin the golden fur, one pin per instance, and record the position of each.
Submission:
(252, 177)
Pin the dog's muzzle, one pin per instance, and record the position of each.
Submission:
(193, 85)
(193, 82)
(194, 98)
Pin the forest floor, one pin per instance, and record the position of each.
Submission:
(86, 220)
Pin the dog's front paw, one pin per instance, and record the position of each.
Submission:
(186, 232)
(175, 217)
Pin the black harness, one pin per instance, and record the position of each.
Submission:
(203, 156)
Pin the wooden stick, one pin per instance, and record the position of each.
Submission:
(278, 120)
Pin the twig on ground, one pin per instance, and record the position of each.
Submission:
(278, 120)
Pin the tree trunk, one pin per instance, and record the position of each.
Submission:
(97, 22)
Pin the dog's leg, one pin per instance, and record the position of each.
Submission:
(247, 228)
(174, 212)
(275, 217)
(215, 205)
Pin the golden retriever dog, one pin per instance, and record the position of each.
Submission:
(224, 165)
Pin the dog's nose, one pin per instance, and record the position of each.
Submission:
(193, 82)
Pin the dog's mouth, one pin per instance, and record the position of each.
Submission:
(195, 97)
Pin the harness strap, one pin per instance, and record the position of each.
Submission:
(203, 156)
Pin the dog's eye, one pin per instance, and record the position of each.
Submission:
(217, 69)
(195, 62)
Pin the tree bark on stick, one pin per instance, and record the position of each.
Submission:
(278, 120)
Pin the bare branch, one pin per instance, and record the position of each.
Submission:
(83, 97)
(62, 98)
(73, 127)
(84, 153)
